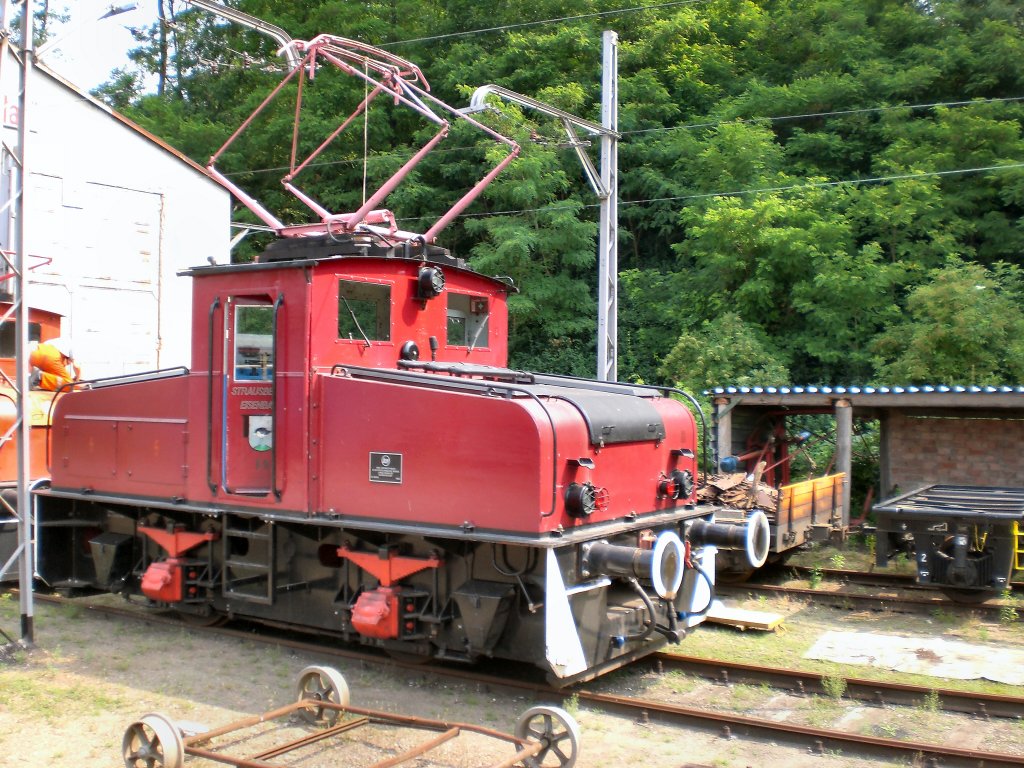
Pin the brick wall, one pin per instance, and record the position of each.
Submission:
(961, 451)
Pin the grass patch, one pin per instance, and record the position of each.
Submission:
(679, 682)
(45, 697)
(747, 697)
(823, 712)
(834, 685)
(1008, 613)
(572, 704)
(815, 576)
(930, 703)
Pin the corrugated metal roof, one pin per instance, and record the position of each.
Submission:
(867, 390)
(938, 396)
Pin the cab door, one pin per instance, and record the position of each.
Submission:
(249, 446)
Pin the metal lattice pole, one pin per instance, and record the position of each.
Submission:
(23, 422)
(608, 246)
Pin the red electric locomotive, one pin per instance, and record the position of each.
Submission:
(348, 454)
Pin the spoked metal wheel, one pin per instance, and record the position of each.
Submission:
(557, 730)
(322, 684)
(153, 742)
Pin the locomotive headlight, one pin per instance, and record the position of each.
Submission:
(580, 499)
(683, 480)
(409, 351)
(583, 499)
(678, 486)
(429, 283)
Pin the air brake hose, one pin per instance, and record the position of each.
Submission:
(652, 622)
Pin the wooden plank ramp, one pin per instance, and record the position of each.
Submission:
(743, 619)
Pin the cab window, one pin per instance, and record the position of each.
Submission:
(8, 337)
(364, 311)
(254, 342)
(467, 321)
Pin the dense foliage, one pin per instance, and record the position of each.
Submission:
(811, 190)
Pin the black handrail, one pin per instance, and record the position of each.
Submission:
(209, 403)
(273, 400)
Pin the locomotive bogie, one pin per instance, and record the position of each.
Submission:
(966, 540)
(954, 554)
(449, 598)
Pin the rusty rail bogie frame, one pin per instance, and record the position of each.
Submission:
(447, 731)
(382, 73)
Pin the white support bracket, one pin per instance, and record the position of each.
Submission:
(286, 45)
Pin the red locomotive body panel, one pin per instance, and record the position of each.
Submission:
(346, 288)
(249, 386)
(131, 440)
(505, 477)
(446, 472)
(38, 403)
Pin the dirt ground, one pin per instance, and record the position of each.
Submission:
(68, 702)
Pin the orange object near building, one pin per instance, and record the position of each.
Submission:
(38, 405)
(53, 359)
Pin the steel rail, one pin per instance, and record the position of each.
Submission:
(849, 600)
(729, 725)
(878, 692)
(876, 578)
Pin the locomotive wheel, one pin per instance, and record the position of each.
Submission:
(967, 596)
(322, 684)
(734, 577)
(153, 742)
(213, 619)
(557, 730)
(404, 657)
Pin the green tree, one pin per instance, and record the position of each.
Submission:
(744, 123)
(550, 253)
(965, 325)
(725, 350)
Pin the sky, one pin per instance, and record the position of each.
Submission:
(91, 49)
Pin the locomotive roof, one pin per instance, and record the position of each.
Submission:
(309, 251)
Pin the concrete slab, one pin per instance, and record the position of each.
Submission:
(936, 656)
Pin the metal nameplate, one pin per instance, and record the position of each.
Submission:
(385, 468)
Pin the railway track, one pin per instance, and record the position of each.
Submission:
(925, 601)
(873, 578)
(876, 692)
(726, 724)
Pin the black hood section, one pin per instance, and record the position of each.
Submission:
(611, 418)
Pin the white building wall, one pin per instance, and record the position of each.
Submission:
(112, 217)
